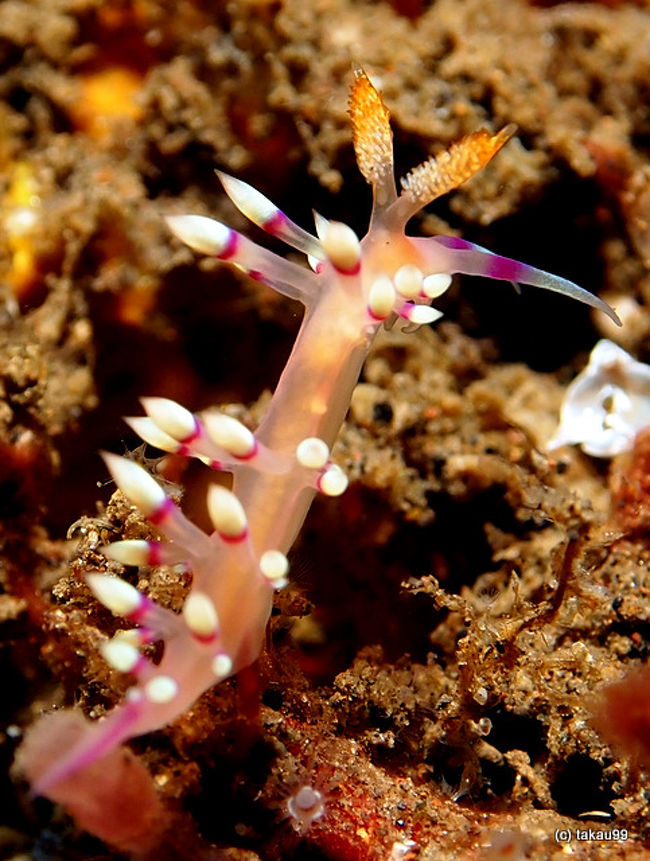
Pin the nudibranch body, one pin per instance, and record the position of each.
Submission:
(353, 288)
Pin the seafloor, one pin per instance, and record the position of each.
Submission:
(436, 667)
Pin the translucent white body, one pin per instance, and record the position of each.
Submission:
(606, 405)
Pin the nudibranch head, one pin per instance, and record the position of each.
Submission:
(606, 405)
(387, 248)
(387, 274)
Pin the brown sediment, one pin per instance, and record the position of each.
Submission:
(422, 671)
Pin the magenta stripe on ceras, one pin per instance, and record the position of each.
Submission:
(235, 539)
(124, 656)
(201, 618)
(489, 264)
(164, 512)
(123, 599)
(242, 251)
(349, 271)
(171, 521)
(282, 227)
(345, 264)
(312, 453)
(114, 729)
(140, 614)
(186, 442)
(340, 244)
(199, 445)
(263, 212)
(143, 635)
(504, 268)
(207, 236)
(234, 444)
(455, 242)
(276, 224)
(164, 553)
(232, 244)
(228, 516)
(263, 459)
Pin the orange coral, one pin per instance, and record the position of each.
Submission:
(107, 94)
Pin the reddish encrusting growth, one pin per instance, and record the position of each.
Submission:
(622, 716)
(630, 487)
(354, 288)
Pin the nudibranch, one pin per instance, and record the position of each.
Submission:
(606, 405)
(388, 274)
(353, 288)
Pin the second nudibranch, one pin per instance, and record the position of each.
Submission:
(606, 405)
(352, 288)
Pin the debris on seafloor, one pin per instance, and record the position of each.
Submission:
(606, 405)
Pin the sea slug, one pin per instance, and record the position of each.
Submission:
(353, 288)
